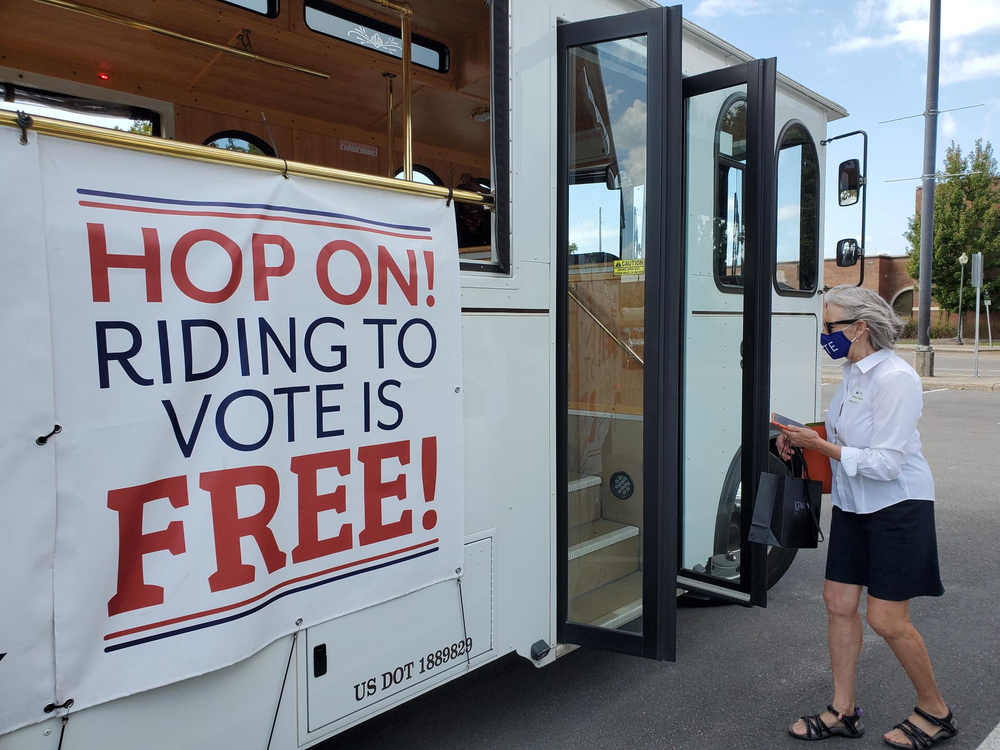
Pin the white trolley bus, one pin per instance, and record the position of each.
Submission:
(640, 219)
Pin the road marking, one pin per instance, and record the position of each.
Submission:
(938, 390)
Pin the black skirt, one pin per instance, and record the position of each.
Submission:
(892, 551)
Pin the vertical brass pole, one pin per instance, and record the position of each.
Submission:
(407, 91)
(388, 119)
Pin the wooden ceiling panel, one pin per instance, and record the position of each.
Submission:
(446, 120)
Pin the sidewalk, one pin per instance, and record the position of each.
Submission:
(833, 375)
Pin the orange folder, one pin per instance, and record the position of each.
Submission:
(819, 464)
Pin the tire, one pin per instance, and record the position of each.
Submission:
(727, 525)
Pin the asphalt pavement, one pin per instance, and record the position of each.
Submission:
(742, 675)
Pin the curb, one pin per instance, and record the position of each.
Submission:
(936, 383)
(955, 349)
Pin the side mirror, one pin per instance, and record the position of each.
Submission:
(849, 182)
(848, 253)
(611, 177)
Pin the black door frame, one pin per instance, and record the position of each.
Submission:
(663, 320)
(759, 76)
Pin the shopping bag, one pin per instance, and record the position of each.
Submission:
(786, 512)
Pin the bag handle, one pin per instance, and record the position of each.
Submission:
(805, 467)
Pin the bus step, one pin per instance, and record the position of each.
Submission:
(600, 552)
(612, 605)
(584, 499)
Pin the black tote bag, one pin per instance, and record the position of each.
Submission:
(786, 513)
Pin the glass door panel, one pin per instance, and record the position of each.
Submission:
(618, 79)
(728, 236)
(607, 118)
(715, 249)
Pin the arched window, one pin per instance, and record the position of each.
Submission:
(421, 174)
(797, 242)
(730, 171)
(239, 140)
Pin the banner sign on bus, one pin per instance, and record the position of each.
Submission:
(257, 383)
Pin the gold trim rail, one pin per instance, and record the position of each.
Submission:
(152, 145)
(143, 26)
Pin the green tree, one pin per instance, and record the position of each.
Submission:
(966, 220)
(572, 247)
(142, 127)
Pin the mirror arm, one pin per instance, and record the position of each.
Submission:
(863, 186)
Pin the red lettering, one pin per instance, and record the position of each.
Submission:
(311, 504)
(372, 456)
(323, 272)
(178, 265)
(133, 591)
(101, 260)
(229, 528)
(386, 266)
(261, 270)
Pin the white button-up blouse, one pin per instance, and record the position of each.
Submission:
(874, 416)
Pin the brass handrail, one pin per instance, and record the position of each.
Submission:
(148, 144)
(405, 17)
(604, 328)
(143, 26)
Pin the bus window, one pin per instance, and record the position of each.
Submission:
(346, 25)
(730, 168)
(267, 8)
(59, 106)
(797, 244)
(238, 140)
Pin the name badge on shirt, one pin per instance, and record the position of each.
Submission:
(857, 396)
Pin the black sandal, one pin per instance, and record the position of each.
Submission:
(919, 739)
(816, 729)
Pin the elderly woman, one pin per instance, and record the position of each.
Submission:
(882, 530)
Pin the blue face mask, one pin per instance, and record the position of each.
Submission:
(836, 344)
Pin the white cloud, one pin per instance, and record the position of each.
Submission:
(971, 68)
(906, 22)
(786, 213)
(949, 125)
(863, 12)
(630, 141)
(713, 8)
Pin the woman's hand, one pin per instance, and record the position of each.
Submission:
(784, 448)
(801, 437)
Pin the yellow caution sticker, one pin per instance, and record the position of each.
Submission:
(632, 267)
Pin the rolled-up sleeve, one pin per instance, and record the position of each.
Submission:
(897, 402)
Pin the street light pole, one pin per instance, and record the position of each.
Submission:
(962, 260)
(925, 353)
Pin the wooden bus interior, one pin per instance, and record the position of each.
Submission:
(338, 122)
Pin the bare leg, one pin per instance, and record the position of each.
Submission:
(846, 634)
(891, 620)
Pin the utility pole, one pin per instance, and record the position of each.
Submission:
(600, 244)
(925, 353)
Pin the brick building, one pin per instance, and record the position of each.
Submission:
(886, 274)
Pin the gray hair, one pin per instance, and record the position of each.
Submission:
(884, 326)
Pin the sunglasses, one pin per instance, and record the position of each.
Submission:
(828, 325)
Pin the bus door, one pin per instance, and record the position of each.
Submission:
(728, 262)
(621, 342)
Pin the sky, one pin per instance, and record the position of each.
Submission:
(870, 56)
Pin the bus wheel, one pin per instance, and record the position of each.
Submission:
(727, 529)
